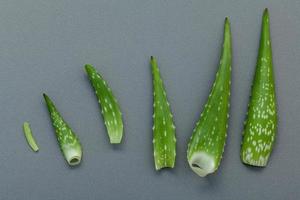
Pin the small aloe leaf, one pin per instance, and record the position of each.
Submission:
(207, 143)
(164, 141)
(261, 122)
(29, 137)
(67, 140)
(109, 106)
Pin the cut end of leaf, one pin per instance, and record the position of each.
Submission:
(163, 164)
(115, 137)
(115, 140)
(74, 161)
(73, 155)
(255, 163)
(157, 168)
(36, 149)
(202, 163)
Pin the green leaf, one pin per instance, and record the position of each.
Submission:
(261, 122)
(29, 137)
(207, 143)
(67, 140)
(110, 108)
(164, 141)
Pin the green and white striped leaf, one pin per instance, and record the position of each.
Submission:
(207, 143)
(261, 122)
(109, 106)
(164, 141)
(67, 139)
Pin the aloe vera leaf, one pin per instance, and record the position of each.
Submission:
(261, 123)
(29, 137)
(207, 142)
(67, 139)
(164, 140)
(110, 108)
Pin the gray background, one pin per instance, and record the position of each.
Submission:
(43, 47)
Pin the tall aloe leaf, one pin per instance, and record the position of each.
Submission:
(207, 143)
(261, 122)
(164, 141)
(109, 106)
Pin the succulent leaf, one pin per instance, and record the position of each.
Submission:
(164, 140)
(67, 139)
(110, 108)
(261, 122)
(207, 143)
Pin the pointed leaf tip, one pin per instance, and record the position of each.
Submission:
(153, 61)
(45, 96)
(88, 68)
(227, 20)
(266, 11)
(47, 99)
(266, 15)
(227, 31)
(227, 24)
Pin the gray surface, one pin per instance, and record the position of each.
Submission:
(43, 47)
